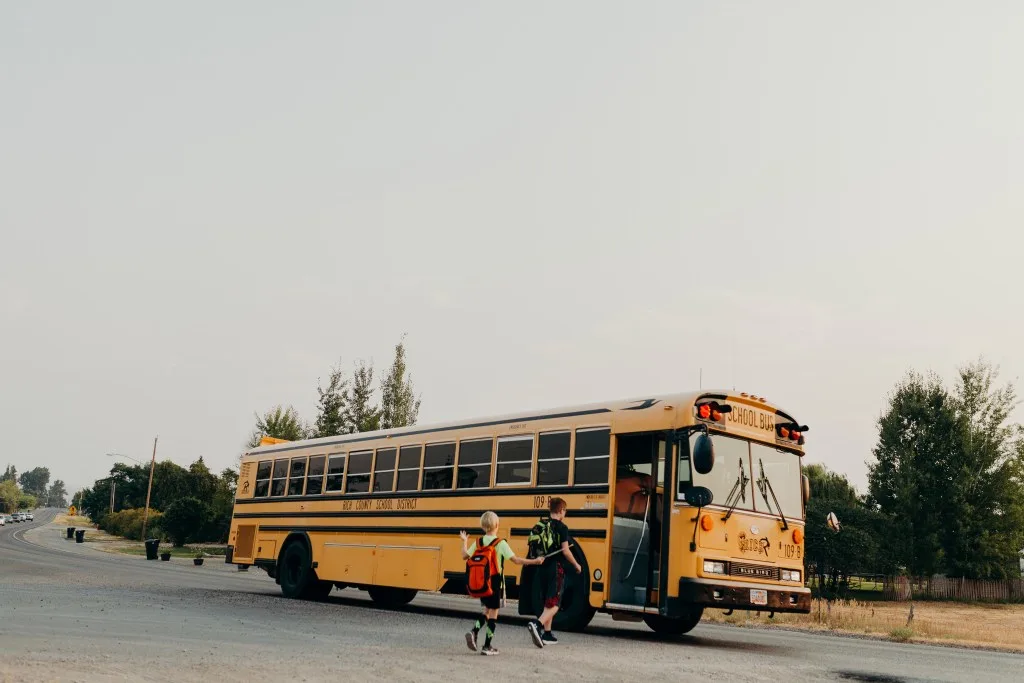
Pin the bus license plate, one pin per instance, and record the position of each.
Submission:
(758, 597)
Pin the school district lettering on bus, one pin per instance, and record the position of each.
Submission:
(381, 511)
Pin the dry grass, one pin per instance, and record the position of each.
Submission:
(76, 521)
(1000, 626)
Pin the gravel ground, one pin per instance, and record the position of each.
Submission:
(71, 613)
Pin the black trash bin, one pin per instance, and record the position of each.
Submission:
(71, 532)
(80, 536)
(152, 548)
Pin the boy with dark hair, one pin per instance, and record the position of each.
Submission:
(552, 572)
(489, 525)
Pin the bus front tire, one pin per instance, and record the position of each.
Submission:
(297, 576)
(672, 626)
(391, 597)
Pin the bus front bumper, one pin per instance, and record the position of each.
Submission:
(741, 595)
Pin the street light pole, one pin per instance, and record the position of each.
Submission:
(149, 490)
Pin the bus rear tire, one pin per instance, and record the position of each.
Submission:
(674, 626)
(297, 577)
(391, 597)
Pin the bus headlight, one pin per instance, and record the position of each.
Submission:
(712, 567)
(791, 575)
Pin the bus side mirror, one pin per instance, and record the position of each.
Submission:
(805, 488)
(703, 454)
(698, 496)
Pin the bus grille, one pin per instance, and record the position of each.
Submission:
(754, 571)
(245, 540)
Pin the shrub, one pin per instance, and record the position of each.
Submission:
(901, 634)
(184, 520)
(128, 523)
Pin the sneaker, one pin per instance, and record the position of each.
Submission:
(471, 640)
(488, 650)
(549, 638)
(535, 634)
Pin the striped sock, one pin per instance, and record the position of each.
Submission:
(492, 624)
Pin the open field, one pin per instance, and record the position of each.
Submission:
(975, 625)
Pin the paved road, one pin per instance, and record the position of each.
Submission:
(71, 613)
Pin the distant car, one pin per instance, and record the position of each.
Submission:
(3, 520)
(30, 517)
(16, 517)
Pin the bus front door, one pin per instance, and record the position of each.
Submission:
(636, 528)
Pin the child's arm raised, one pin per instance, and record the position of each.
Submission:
(465, 544)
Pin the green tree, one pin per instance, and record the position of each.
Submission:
(10, 474)
(362, 415)
(35, 481)
(982, 529)
(918, 429)
(332, 412)
(184, 519)
(57, 496)
(10, 494)
(399, 406)
(949, 473)
(857, 548)
(280, 423)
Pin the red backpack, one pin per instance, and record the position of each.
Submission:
(481, 567)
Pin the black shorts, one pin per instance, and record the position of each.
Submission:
(493, 601)
(553, 576)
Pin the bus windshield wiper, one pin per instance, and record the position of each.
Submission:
(738, 492)
(765, 484)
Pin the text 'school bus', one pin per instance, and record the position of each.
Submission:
(720, 523)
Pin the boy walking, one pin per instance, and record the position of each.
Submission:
(552, 573)
(492, 603)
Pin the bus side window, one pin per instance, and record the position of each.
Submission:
(439, 466)
(593, 451)
(409, 468)
(384, 470)
(280, 480)
(335, 471)
(553, 459)
(263, 479)
(315, 476)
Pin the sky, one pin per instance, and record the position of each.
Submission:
(204, 206)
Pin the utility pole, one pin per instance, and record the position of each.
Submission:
(149, 490)
(113, 487)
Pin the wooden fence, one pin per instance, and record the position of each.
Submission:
(945, 588)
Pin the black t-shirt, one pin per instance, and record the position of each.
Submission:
(561, 534)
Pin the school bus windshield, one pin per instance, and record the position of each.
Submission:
(737, 473)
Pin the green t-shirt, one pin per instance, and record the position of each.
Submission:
(503, 549)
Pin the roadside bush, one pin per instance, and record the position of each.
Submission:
(128, 523)
(185, 520)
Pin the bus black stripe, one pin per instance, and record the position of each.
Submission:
(439, 493)
(573, 514)
(416, 530)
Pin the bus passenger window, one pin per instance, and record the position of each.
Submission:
(315, 476)
(359, 472)
(475, 464)
(553, 459)
(439, 466)
(384, 470)
(262, 479)
(409, 468)
(280, 481)
(592, 455)
(298, 477)
(335, 471)
(515, 461)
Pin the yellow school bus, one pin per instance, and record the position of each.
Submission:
(675, 504)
